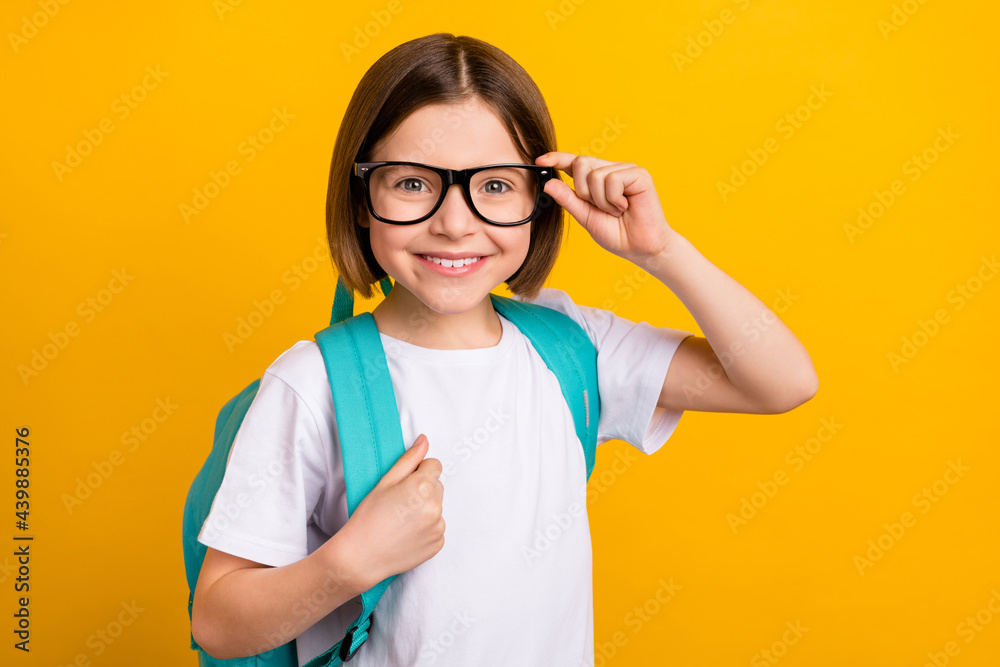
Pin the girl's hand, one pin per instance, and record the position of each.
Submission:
(398, 525)
(615, 202)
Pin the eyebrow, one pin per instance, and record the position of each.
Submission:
(438, 166)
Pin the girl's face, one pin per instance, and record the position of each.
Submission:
(457, 137)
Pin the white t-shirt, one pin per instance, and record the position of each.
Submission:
(513, 583)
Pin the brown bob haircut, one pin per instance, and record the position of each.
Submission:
(436, 69)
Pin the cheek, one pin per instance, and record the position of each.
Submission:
(388, 240)
(523, 242)
(377, 240)
(515, 243)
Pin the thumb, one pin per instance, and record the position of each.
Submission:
(566, 197)
(407, 463)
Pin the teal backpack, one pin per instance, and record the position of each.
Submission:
(371, 439)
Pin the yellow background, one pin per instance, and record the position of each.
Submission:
(600, 65)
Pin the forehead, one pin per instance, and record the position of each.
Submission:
(450, 135)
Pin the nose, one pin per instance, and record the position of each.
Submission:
(454, 218)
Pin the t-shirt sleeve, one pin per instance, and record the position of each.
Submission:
(273, 480)
(632, 363)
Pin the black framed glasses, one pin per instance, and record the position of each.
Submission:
(405, 193)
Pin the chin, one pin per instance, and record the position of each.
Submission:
(460, 298)
(453, 306)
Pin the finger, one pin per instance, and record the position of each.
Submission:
(598, 183)
(612, 191)
(579, 168)
(564, 196)
(406, 464)
(582, 167)
(629, 182)
(557, 159)
(564, 161)
(427, 487)
(430, 467)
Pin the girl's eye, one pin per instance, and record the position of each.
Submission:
(495, 187)
(412, 185)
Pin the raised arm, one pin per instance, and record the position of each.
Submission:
(748, 361)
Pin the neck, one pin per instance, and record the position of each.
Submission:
(403, 316)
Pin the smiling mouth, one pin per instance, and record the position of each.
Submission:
(449, 263)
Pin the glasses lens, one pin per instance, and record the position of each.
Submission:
(505, 194)
(404, 193)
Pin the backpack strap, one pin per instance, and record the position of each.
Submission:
(561, 343)
(343, 300)
(369, 431)
(570, 354)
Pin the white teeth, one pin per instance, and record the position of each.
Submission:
(452, 262)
